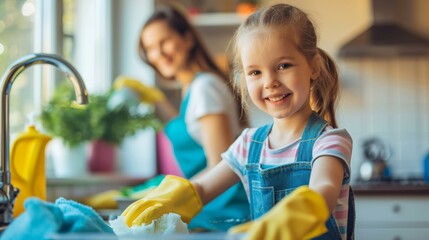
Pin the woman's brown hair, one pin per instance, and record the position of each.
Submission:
(199, 54)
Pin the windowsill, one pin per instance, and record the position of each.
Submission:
(79, 187)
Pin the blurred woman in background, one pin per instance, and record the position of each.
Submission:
(209, 118)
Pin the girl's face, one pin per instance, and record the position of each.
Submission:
(277, 74)
(165, 48)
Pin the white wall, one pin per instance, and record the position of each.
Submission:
(388, 98)
(137, 155)
(93, 44)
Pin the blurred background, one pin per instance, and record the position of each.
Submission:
(381, 48)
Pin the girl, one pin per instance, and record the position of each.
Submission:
(296, 170)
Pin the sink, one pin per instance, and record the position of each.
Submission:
(192, 236)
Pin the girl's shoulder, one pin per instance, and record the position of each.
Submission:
(336, 133)
(247, 134)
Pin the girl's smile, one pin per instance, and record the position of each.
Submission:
(278, 98)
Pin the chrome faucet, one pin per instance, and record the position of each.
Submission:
(7, 192)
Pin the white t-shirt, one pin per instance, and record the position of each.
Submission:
(209, 94)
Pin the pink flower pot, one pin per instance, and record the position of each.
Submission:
(102, 157)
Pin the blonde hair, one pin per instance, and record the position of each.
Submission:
(324, 89)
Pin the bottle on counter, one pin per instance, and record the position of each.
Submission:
(28, 166)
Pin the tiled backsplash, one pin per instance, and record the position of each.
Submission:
(387, 98)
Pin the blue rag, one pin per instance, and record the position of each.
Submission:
(65, 216)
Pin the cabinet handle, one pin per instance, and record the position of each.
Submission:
(396, 208)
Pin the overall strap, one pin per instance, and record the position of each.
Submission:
(184, 105)
(257, 142)
(312, 131)
(351, 219)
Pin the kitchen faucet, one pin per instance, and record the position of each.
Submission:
(7, 192)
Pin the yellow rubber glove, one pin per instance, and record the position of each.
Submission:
(146, 93)
(301, 215)
(103, 200)
(173, 195)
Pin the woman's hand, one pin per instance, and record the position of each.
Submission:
(145, 93)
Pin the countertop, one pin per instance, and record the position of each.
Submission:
(414, 187)
(95, 179)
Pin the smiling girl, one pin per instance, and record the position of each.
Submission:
(296, 170)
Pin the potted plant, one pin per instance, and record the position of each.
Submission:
(102, 127)
(68, 126)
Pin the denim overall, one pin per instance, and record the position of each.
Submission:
(269, 184)
(227, 210)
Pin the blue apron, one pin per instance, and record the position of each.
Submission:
(269, 184)
(227, 210)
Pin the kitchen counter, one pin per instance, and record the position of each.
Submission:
(415, 187)
(95, 179)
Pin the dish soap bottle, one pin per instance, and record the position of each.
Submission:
(28, 166)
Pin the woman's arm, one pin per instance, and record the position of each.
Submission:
(216, 138)
(326, 178)
(216, 181)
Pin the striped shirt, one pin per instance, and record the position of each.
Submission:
(332, 142)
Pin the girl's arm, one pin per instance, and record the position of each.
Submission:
(216, 181)
(216, 138)
(326, 178)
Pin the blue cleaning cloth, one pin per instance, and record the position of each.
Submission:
(65, 216)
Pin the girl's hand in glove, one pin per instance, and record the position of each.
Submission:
(173, 195)
(301, 215)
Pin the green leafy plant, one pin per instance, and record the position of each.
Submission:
(94, 121)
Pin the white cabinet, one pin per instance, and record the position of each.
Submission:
(392, 217)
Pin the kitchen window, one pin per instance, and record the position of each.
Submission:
(77, 30)
(16, 34)
(97, 37)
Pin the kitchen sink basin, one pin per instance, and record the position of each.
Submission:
(192, 236)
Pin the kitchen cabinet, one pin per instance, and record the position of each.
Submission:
(392, 217)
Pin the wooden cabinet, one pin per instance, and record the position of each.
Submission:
(392, 217)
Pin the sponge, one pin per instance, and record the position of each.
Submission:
(167, 224)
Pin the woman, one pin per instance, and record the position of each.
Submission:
(209, 117)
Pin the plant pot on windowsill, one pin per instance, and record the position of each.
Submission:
(104, 128)
(110, 126)
(102, 156)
